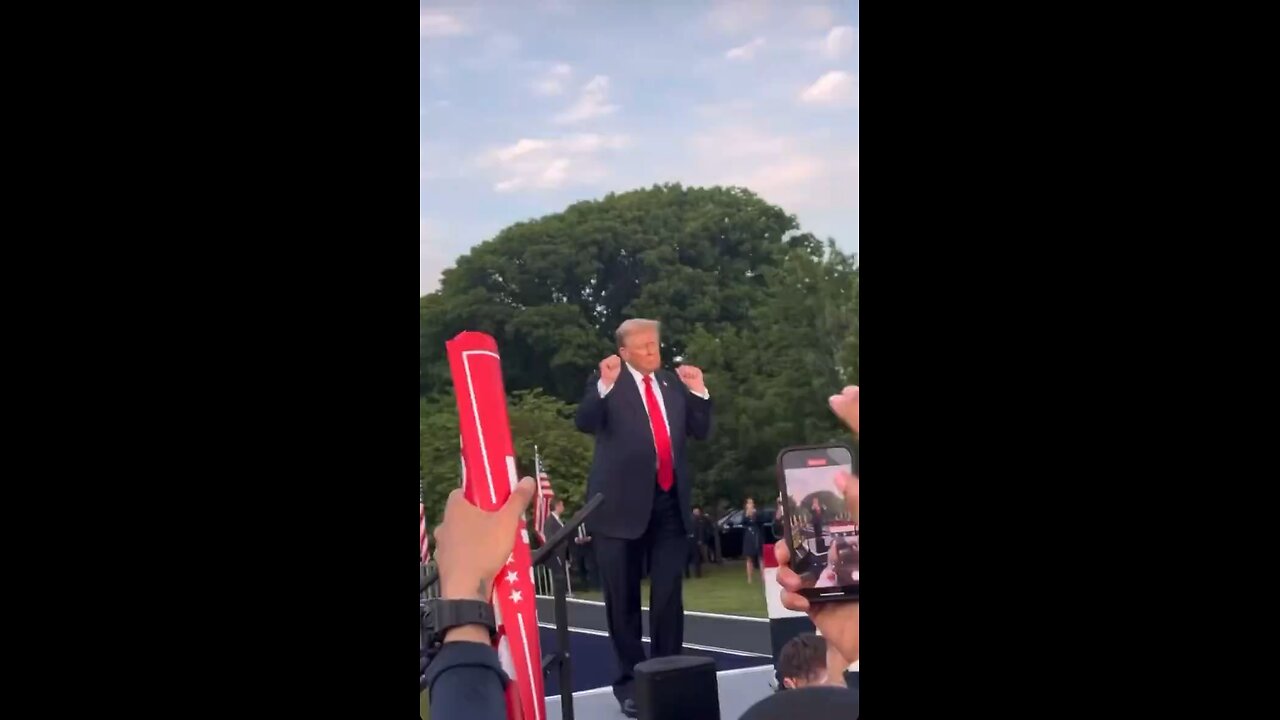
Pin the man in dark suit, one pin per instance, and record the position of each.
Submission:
(584, 561)
(698, 535)
(641, 416)
(554, 524)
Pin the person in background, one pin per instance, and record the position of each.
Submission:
(751, 545)
(803, 662)
(584, 559)
(697, 544)
(560, 560)
(692, 563)
(703, 536)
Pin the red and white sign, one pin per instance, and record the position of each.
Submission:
(489, 476)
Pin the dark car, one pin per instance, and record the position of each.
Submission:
(730, 529)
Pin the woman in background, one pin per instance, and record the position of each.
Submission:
(751, 547)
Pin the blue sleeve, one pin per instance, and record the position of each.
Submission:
(698, 416)
(851, 681)
(465, 680)
(591, 411)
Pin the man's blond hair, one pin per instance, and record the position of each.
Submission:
(634, 325)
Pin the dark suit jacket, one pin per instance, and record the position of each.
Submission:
(625, 464)
(552, 527)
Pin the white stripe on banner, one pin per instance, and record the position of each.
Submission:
(475, 411)
(533, 684)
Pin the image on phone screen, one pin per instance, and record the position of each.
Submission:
(822, 535)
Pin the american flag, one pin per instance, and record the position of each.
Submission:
(424, 544)
(542, 506)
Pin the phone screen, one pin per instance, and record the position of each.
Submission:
(820, 533)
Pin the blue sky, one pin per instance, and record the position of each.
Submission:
(527, 106)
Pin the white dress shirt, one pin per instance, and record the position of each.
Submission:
(604, 390)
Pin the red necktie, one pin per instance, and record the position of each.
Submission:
(661, 440)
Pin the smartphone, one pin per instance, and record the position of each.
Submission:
(820, 534)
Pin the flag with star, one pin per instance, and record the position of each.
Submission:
(424, 544)
(542, 502)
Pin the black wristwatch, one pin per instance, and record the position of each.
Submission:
(444, 615)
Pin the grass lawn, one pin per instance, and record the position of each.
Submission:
(721, 589)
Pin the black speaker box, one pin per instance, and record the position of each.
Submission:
(678, 687)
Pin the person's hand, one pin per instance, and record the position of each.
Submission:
(472, 544)
(609, 369)
(845, 406)
(692, 378)
(836, 620)
(848, 485)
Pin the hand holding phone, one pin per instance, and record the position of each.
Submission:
(821, 524)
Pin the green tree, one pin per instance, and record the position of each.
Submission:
(535, 419)
(798, 347)
(768, 312)
(553, 290)
(439, 462)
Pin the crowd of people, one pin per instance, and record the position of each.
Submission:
(645, 513)
(583, 568)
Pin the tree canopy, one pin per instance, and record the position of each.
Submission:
(767, 311)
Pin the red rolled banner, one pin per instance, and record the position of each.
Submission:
(488, 477)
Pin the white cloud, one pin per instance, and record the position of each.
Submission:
(745, 52)
(841, 42)
(555, 173)
(434, 24)
(591, 142)
(554, 81)
(835, 88)
(593, 102)
(547, 164)
(796, 172)
(522, 147)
